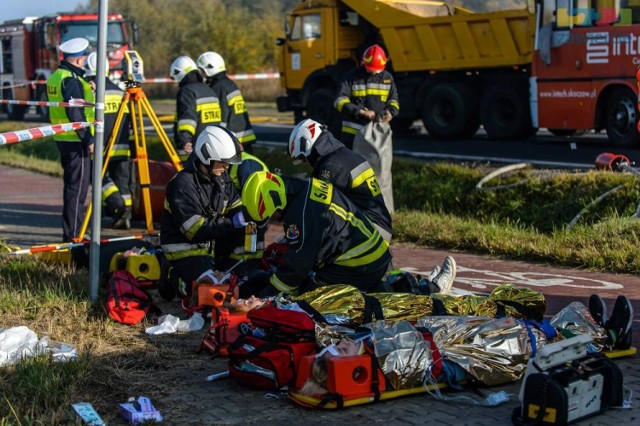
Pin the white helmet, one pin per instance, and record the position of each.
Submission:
(182, 66)
(302, 139)
(211, 63)
(216, 143)
(91, 65)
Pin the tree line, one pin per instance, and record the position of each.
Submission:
(242, 31)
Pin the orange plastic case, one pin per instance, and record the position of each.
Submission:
(225, 329)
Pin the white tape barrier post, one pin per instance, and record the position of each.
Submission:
(40, 132)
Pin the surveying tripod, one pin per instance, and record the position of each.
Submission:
(137, 102)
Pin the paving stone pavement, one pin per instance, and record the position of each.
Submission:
(29, 214)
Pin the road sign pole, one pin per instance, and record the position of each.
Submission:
(96, 224)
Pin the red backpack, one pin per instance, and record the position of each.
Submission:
(127, 302)
(269, 360)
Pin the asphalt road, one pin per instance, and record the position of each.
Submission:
(543, 150)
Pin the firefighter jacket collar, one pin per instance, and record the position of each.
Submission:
(325, 145)
(191, 166)
(191, 77)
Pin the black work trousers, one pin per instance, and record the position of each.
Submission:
(76, 163)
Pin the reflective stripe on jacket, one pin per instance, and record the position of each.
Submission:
(112, 103)
(329, 237)
(197, 106)
(352, 174)
(234, 112)
(194, 213)
(361, 90)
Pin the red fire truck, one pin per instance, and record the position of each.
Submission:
(29, 52)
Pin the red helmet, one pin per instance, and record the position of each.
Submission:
(374, 59)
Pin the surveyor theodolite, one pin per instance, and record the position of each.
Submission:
(135, 102)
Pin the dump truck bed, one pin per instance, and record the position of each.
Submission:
(433, 36)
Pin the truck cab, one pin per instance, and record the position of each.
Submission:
(318, 48)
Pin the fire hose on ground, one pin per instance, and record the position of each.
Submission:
(605, 161)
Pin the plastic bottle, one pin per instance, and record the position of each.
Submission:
(250, 238)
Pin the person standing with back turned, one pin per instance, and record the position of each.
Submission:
(196, 105)
(76, 146)
(234, 112)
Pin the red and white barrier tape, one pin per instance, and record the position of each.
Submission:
(72, 103)
(259, 76)
(63, 246)
(256, 76)
(40, 132)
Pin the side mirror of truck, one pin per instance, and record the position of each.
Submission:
(280, 41)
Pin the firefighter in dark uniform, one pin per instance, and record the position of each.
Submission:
(116, 185)
(234, 112)
(196, 105)
(348, 171)
(330, 240)
(366, 93)
(67, 83)
(202, 209)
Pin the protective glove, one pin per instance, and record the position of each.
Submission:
(238, 220)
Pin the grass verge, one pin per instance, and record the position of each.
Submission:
(439, 206)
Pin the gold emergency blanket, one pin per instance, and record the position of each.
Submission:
(576, 319)
(345, 304)
(403, 354)
(339, 304)
(494, 351)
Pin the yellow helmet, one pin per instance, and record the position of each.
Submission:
(263, 193)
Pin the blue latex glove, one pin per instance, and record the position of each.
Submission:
(238, 220)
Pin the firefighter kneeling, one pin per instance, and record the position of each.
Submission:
(202, 207)
(330, 240)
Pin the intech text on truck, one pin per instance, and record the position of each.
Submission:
(512, 66)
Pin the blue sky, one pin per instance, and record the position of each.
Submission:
(15, 9)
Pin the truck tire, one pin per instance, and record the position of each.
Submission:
(504, 112)
(320, 108)
(622, 118)
(401, 126)
(450, 111)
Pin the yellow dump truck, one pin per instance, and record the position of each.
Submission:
(444, 56)
(510, 65)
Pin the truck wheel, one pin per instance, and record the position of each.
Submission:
(450, 111)
(622, 118)
(401, 125)
(504, 113)
(320, 108)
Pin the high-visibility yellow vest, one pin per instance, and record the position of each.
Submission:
(58, 115)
